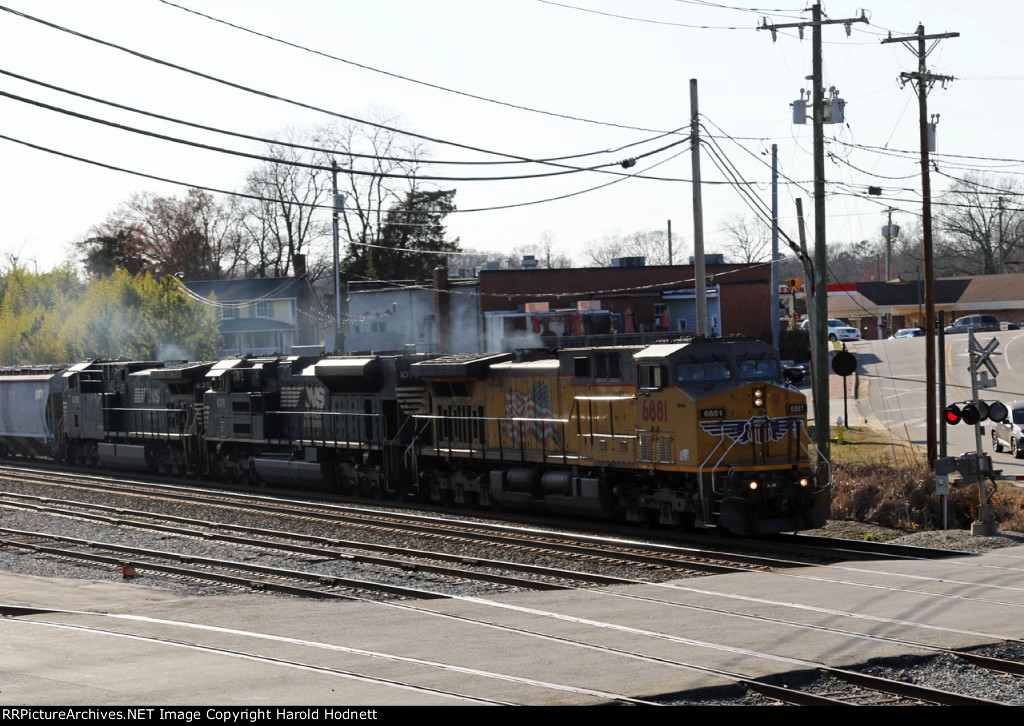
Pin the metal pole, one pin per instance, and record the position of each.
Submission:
(700, 282)
(943, 441)
(338, 206)
(775, 246)
(670, 242)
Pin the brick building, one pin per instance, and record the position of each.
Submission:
(587, 302)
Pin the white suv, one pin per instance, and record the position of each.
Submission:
(837, 330)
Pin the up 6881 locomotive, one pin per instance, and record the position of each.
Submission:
(703, 433)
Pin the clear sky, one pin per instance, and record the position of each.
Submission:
(620, 69)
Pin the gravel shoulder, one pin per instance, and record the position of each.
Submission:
(952, 539)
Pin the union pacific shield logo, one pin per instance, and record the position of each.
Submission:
(756, 429)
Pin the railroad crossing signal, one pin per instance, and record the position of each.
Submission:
(972, 412)
(982, 356)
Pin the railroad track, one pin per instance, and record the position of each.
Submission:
(704, 552)
(849, 688)
(643, 557)
(594, 550)
(320, 549)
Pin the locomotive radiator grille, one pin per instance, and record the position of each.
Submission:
(655, 449)
(665, 449)
(646, 447)
(412, 400)
(290, 396)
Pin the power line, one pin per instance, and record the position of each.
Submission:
(263, 94)
(323, 150)
(643, 20)
(324, 167)
(400, 77)
(260, 198)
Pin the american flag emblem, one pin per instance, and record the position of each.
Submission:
(536, 404)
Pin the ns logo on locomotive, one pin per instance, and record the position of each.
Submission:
(695, 433)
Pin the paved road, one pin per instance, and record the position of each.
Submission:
(892, 389)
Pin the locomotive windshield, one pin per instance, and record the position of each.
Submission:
(759, 369)
(704, 371)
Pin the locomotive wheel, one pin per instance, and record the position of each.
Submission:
(372, 489)
(683, 522)
(253, 479)
(346, 485)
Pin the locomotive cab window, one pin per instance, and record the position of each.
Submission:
(650, 377)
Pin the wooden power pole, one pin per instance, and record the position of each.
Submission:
(923, 81)
(819, 320)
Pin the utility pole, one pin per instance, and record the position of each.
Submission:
(700, 281)
(923, 81)
(889, 232)
(820, 318)
(775, 246)
(338, 208)
(670, 242)
(1000, 248)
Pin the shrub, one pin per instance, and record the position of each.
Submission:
(902, 497)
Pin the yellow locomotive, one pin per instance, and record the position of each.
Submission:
(704, 433)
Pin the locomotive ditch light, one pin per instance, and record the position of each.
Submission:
(752, 485)
(804, 482)
(953, 414)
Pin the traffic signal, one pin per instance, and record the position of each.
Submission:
(973, 412)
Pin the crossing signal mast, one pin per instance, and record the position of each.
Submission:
(975, 466)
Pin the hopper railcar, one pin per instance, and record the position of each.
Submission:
(704, 432)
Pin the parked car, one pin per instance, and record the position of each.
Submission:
(794, 372)
(837, 329)
(908, 333)
(977, 323)
(1011, 432)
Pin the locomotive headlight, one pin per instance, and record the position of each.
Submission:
(758, 398)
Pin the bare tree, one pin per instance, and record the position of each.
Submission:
(750, 239)
(651, 244)
(980, 221)
(378, 172)
(287, 220)
(544, 251)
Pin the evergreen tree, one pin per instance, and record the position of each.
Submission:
(412, 240)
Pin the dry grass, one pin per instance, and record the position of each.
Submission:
(897, 496)
(888, 483)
